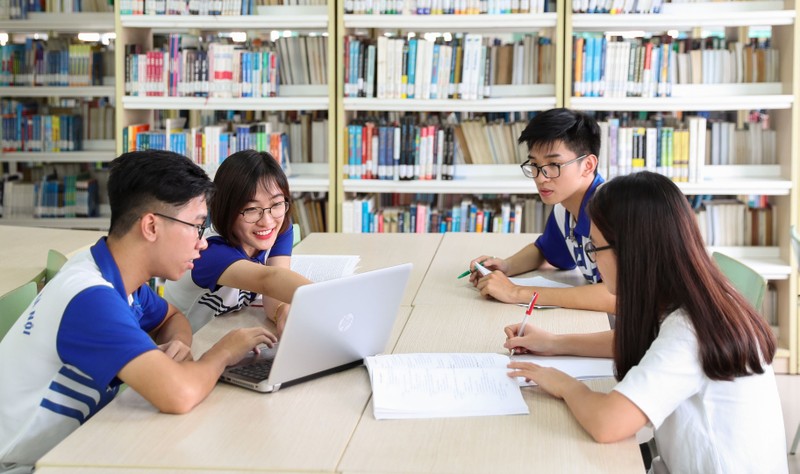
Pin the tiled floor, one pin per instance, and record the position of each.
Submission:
(789, 388)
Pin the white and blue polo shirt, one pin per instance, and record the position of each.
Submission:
(563, 239)
(60, 360)
(197, 293)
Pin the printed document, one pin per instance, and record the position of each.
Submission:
(324, 267)
(581, 368)
(439, 385)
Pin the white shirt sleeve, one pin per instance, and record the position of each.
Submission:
(669, 373)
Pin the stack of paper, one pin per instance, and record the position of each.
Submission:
(324, 267)
(443, 385)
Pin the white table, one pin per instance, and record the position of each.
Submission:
(23, 251)
(547, 440)
(442, 285)
(305, 427)
(326, 425)
(378, 251)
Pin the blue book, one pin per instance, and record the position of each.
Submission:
(285, 153)
(456, 224)
(358, 169)
(354, 60)
(247, 74)
(369, 86)
(351, 149)
(434, 91)
(588, 61)
(365, 216)
(473, 218)
(223, 146)
(412, 67)
(597, 67)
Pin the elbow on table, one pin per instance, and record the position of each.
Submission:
(179, 401)
(606, 433)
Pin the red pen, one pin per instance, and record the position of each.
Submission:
(525, 318)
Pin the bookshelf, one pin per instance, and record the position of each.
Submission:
(777, 181)
(468, 179)
(139, 29)
(61, 22)
(93, 151)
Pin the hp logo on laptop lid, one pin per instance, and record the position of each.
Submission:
(346, 322)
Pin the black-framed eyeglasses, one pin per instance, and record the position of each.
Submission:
(201, 228)
(590, 250)
(552, 170)
(254, 214)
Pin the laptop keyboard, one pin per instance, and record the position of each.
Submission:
(257, 371)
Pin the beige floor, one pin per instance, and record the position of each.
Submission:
(789, 388)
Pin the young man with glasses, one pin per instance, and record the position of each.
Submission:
(562, 161)
(98, 324)
(249, 252)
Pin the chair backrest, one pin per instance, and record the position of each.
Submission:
(55, 260)
(747, 281)
(296, 234)
(13, 303)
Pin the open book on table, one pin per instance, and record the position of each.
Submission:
(439, 385)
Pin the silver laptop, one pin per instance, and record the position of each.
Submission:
(332, 325)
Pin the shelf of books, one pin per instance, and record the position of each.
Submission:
(703, 93)
(689, 15)
(431, 98)
(226, 103)
(58, 91)
(452, 22)
(206, 79)
(277, 18)
(70, 22)
(57, 105)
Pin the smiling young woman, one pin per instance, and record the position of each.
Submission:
(249, 251)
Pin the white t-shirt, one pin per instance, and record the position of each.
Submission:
(59, 362)
(702, 425)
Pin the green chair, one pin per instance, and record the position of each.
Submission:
(296, 233)
(13, 303)
(55, 260)
(796, 246)
(747, 281)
